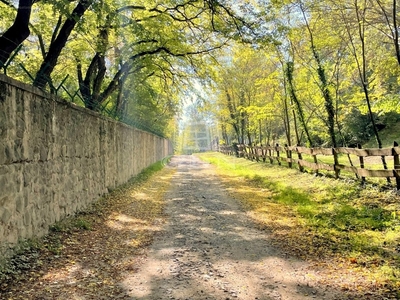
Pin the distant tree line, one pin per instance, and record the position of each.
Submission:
(326, 75)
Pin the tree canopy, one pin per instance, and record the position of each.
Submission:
(295, 71)
(114, 52)
(325, 70)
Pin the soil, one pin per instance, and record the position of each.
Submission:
(210, 249)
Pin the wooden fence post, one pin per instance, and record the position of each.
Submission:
(396, 162)
(249, 152)
(300, 157)
(271, 159)
(315, 160)
(361, 164)
(253, 152)
(335, 163)
(257, 152)
(288, 155)
(236, 147)
(278, 154)
(264, 153)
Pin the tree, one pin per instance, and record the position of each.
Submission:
(192, 31)
(323, 81)
(390, 19)
(18, 32)
(247, 88)
(43, 76)
(296, 102)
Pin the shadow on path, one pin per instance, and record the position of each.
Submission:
(210, 249)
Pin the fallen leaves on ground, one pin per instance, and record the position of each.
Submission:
(87, 256)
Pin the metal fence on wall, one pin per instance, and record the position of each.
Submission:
(63, 90)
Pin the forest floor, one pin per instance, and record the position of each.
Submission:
(181, 234)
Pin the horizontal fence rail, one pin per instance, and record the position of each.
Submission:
(317, 159)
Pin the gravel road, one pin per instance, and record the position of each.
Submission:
(210, 249)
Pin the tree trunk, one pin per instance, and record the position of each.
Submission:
(232, 114)
(121, 102)
(90, 85)
(224, 134)
(286, 117)
(295, 100)
(18, 31)
(324, 85)
(43, 75)
(249, 137)
(362, 69)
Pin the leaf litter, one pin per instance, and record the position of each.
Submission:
(85, 256)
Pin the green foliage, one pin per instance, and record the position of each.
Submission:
(247, 93)
(71, 224)
(357, 128)
(334, 38)
(26, 255)
(151, 54)
(143, 52)
(148, 172)
(82, 224)
(7, 15)
(57, 227)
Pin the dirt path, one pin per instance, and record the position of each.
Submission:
(204, 247)
(210, 249)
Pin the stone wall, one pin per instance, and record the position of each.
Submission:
(56, 158)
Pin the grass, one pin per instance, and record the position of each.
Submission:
(319, 218)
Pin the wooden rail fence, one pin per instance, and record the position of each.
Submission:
(296, 156)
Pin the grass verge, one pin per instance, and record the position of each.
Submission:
(336, 224)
